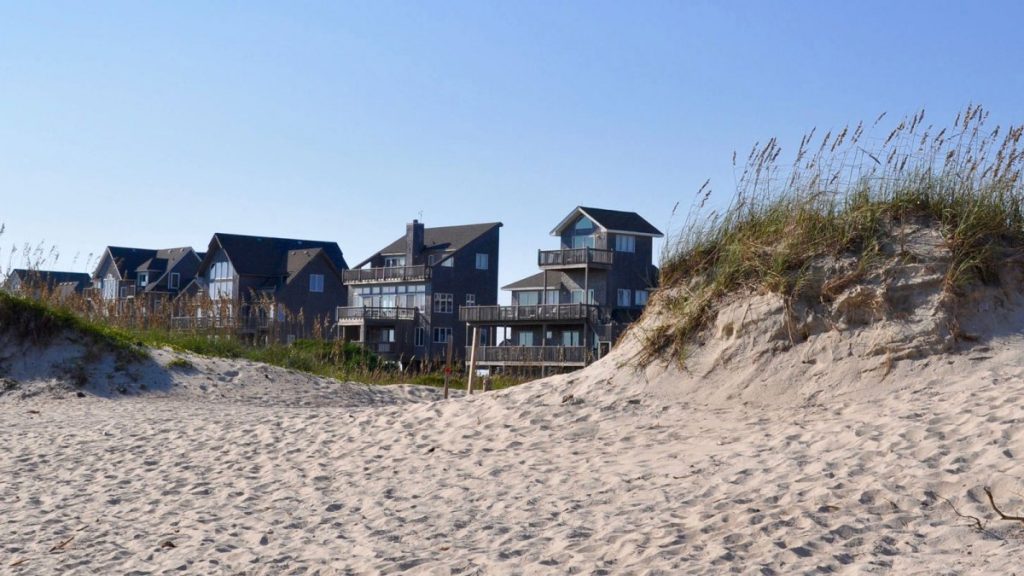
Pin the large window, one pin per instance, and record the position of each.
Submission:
(444, 303)
(109, 287)
(527, 298)
(418, 337)
(394, 261)
(625, 243)
(442, 335)
(481, 261)
(316, 282)
(577, 296)
(400, 296)
(624, 298)
(583, 233)
(640, 297)
(525, 339)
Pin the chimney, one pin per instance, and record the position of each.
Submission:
(413, 242)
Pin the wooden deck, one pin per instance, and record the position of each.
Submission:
(528, 314)
(532, 355)
(392, 274)
(575, 258)
(354, 315)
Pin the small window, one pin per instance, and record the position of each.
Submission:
(624, 297)
(316, 282)
(641, 297)
(175, 281)
(481, 261)
(419, 336)
(470, 299)
(448, 262)
(442, 335)
(625, 243)
(443, 303)
(143, 279)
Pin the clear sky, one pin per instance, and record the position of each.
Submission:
(157, 124)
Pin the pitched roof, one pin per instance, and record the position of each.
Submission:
(127, 260)
(611, 221)
(166, 259)
(534, 282)
(440, 238)
(53, 277)
(266, 256)
(299, 259)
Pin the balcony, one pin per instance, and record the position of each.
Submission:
(379, 348)
(351, 315)
(228, 323)
(528, 314)
(532, 355)
(391, 274)
(575, 258)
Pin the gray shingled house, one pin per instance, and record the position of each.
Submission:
(31, 282)
(253, 281)
(131, 273)
(587, 292)
(404, 300)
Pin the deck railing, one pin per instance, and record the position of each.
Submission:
(387, 274)
(248, 324)
(539, 313)
(574, 257)
(360, 313)
(532, 355)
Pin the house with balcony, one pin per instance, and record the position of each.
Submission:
(404, 300)
(258, 285)
(31, 282)
(149, 277)
(586, 294)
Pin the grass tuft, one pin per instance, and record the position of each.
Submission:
(843, 197)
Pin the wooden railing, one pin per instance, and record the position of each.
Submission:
(360, 313)
(379, 347)
(574, 257)
(387, 274)
(249, 324)
(540, 313)
(532, 355)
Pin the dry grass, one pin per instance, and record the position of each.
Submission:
(845, 196)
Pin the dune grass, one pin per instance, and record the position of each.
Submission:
(844, 196)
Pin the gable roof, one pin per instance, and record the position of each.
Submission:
(266, 256)
(534, 282)
(440, 238)
(611, 221)
(53, 278)
(127, 260)
(299, 259)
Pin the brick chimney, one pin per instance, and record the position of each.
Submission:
(413, 242)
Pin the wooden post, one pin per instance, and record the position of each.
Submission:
(448, 368)
(472, 361)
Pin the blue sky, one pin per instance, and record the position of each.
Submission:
(158, 124)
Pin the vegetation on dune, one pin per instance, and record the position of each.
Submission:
(844, 196)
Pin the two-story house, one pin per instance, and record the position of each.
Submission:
(132, 273)
(33, 283)
(587, 292)
(253, 281)
(404, 300)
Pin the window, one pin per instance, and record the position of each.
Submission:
(582, 241)
(316, 282)
(624, 297)
(175, 281)
(394, 261)
(481, 261)
(470, 299)
(419, 337)
(641, 297)
(443, 303)
(526, 338)
(109, 287)
(442, 335)
(577, 296)
(527, 298)
(625, 243)
(448, 262)
(584, 225)
(143, 279)
(571, 338)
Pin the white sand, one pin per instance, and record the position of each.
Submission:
(845, 453)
